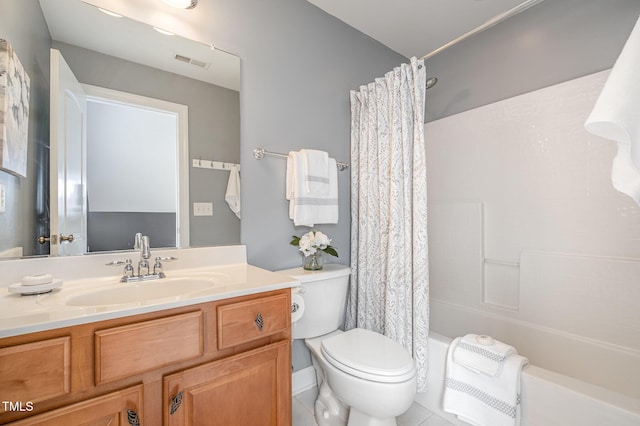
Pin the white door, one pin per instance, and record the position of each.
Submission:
(68, 199)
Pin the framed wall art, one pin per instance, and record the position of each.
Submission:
(14, 112)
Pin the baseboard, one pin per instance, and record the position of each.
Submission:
(303, 380)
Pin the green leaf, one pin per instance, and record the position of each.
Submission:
(330, 250)
(295, 241)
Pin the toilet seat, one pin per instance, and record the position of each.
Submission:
(369, 355)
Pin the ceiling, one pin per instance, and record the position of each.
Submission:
(78, 23)
(416, 27)
(409, 27)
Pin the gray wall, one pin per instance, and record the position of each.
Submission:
(554, 41)
(298, 65)
(214, 129)
(23, 26)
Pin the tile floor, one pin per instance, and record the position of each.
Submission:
(416, 416)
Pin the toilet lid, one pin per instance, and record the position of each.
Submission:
(368, 355)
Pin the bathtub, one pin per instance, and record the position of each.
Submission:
(548, 398)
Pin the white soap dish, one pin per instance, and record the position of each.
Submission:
(30, 290)
(39, 279)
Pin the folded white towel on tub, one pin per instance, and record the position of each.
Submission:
(482, 353)
(480, 399)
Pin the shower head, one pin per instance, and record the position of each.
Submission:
(431, 81)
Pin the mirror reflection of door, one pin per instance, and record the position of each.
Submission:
(68, 226)
(119, 167)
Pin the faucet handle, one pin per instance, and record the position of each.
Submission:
(166, 259)
(157, 266)
(128, 268)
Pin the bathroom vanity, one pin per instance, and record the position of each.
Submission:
(219, 356)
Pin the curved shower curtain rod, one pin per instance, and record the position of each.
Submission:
(490, 23)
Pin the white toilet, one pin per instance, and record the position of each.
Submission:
(364, 378)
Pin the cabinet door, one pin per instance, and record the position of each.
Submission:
(118, 408)
(252, 388)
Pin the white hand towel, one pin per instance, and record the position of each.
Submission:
(232, 197)
(616, 116)
(316, 171)
(482, 354)
(294, 176)
(480, 399)
(306, 209)
(289, 181)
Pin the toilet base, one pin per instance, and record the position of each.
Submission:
(356, 418)
(328, 409)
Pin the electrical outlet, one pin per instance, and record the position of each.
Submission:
(203, 209)
(2, 206)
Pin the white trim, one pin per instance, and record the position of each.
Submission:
(303, 380)
(182, 112)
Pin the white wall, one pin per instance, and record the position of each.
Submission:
(529, 241)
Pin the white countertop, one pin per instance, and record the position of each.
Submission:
(28, 314)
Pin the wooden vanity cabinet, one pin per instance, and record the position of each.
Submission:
(130, 369)
(240, 390)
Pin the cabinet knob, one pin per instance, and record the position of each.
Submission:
(175, 403)
(132, 418)
(259, 321)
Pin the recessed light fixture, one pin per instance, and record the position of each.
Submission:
(182, 4)
(108, 12)
(165, 32)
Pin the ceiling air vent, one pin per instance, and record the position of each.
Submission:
(191, 61)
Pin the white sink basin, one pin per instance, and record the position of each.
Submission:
(137, 293)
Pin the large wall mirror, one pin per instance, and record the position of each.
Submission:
(127, 146)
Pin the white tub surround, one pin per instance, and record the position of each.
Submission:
(529, 241)
(83, 275)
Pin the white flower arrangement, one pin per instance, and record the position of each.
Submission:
(312, 242)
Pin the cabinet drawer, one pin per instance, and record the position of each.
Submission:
(244, 321)
(131, 349)
(115, 408)
(35, 371)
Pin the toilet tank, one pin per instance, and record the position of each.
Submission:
(324, 294)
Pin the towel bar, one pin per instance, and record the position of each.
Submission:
(259, 153)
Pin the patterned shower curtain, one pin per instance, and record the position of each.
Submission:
(389, 290)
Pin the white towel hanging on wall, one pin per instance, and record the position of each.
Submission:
(616, 116)
(232, 196)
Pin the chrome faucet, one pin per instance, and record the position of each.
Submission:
(145, 254)
(141, 243)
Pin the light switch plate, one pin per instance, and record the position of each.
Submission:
(203, 209)
(2, 197)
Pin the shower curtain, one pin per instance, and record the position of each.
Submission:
(389, 290)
